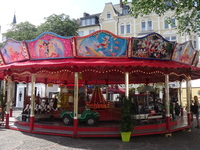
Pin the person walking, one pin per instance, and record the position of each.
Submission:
(196, 110)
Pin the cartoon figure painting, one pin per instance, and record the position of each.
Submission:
(152, 46)
(14, 51)
(184, 53)
(101, 44)
(49, 46)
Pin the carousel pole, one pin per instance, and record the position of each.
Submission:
(8, 101)
(12, 98)
(4, 97)
(188, 92)
(85, 91)
(27, 89)
(106, 92)
(75, 103)
(167, 103)
(45, 91)
(32, 102)
(180, 97)
(126, 84)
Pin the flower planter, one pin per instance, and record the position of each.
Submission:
(126, 136)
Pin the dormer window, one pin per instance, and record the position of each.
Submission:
(125, 10)
(108, 15)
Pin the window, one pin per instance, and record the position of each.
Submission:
(83, 22)
(108, 15)
(167, 38)
(173, 25)
(91, 31)
(125, 10)
(128, 28)
(173, 38)
(149, 25)
(122, 28)
(143, 25)
(166, 24)
(81, 33)
(87, 21)
(195, 44)
(110, 96)
(92, 21)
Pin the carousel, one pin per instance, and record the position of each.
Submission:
(100, 59)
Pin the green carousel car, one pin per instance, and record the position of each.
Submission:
(88, 116)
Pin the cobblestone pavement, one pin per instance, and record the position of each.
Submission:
(180, 140)
(16, 140)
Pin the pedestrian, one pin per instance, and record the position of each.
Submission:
(192, 109)
(196, 110)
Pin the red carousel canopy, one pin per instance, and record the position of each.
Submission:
(100, 58)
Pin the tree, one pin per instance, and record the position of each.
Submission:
(59, 24)
(187, 12)
(22, 31)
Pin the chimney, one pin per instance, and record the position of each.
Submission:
(85, 14)
(121, 4)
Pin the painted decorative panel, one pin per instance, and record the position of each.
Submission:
(101, 44)
(14, 51)
(196, 59)
(152, 46)
(1, 61)
(50, 46)
(184, 53)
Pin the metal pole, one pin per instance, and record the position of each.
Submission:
(127, 84)
(45, 89)
(75, 103)
(85, 96)
(107, 92)
(188, 92)
(12, 98)
(26, 89)
(8, 101)
(180, 97)
(4, 97)
(33, 76)
(167, 102)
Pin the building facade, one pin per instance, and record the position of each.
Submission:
(116, 19)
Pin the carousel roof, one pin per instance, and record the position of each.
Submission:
(100, 58)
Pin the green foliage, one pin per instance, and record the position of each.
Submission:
(59, 24)
(187, 12)
(126, 123)
(1, 45)
(22, 31)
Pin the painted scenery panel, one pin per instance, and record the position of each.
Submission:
(50, 46)
(152, 46)
(101, 44)
(14, 51)
(184, 53)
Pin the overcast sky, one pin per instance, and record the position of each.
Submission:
(34, 11)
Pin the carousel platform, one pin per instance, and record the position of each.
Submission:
(102, 129)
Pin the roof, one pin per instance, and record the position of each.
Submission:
(99, 58)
